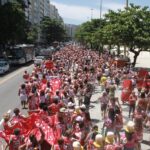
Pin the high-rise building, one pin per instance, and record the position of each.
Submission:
(36, 11)
(54, 14)
(70, 30)
(47, 8)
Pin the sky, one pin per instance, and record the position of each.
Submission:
(79, 11)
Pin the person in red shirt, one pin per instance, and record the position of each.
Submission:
(16, 140)
(33, 101)
(17, 116)
(54, 107)
(26, 75)
(132, 102)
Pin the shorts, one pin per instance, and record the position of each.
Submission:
(23, 98)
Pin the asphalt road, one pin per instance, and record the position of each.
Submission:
(9, 85)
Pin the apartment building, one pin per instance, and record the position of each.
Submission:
(70, 30)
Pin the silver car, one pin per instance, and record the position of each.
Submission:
(38, 60)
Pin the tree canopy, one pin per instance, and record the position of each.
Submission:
(52, 30)
(129, 27)
(13, 26)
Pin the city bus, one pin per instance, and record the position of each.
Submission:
(21, 54)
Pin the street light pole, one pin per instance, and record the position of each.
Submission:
(125, 48)
(100, 17)
(91, 13)
(127, 3)
(100, 9)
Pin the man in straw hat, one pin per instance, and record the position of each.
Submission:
(130, 141)
(109, 140)
(77, 146)
(98, 143)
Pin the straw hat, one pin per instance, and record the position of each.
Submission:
(98, 141)
(77, 146)
(130, 127)
(110, 138)
(77, 109)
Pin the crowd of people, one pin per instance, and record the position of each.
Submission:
(57, 95)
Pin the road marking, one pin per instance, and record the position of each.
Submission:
(13, 74)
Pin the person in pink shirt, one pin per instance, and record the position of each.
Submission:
(132, 103)
(139, 130)
(104, 102)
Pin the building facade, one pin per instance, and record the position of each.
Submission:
(54, 14)
(47, 8)
(35, 10)
(70, 30)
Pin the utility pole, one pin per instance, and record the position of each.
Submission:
(127, 3)
(91, 13)
(125, 48)
(100, 9)
(100, 17)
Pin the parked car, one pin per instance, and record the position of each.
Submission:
(38, 60)
(4, 66)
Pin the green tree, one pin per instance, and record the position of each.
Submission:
(13, 24)
(32, 34)
(87, 32)
(52, 30)
(131, 27)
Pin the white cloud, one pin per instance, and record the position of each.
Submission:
(81, 13)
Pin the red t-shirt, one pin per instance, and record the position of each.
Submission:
(54, 108)
(132, 99)
(15, 142)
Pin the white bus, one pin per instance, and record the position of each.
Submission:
(21, 54)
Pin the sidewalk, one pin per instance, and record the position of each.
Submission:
(97, 119)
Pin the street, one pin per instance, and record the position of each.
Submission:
(9, 85)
